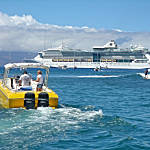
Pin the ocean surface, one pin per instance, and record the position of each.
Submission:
(105, 110)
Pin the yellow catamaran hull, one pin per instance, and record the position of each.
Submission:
(15, 99)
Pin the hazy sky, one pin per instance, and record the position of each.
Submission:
(36, 24)
(126, 15)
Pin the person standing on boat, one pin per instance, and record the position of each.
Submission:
(39, 80)
(146, 73)
(25, 79)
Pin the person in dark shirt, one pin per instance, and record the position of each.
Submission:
(146, 73)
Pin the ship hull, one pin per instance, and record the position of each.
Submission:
(92, 65)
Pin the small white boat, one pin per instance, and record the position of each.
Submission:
(97, 69)
(144, 76)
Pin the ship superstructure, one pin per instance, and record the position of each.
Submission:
(107, 56)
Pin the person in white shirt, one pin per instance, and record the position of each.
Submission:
(25, 79)
(39, 80)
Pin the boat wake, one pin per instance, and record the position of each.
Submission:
(87, 76)
(96, 76)
(69, 112)
(128, 75)
(99, 76)
(60, 119)
(46, 124)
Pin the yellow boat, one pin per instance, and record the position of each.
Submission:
(14, 96)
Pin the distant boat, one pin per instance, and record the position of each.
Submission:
(145, 75)
(107, 56)
(96, 69)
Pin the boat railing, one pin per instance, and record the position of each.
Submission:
(11, 84)
(1, 75)
(7, 83)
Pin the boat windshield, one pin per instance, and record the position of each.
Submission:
(17, 72)
(1, 73)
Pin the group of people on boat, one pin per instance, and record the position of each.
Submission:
(25, 80)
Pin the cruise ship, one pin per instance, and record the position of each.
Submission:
(107, 56)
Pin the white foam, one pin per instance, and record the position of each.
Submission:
(77, 114)
(44, 109)
(66, 115)
(60, 119)
(87, 76)
(98, 76)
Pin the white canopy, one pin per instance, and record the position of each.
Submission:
(25, 65)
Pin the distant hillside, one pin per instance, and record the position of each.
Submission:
(15, 56)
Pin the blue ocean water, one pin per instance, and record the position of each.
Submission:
(102, 110)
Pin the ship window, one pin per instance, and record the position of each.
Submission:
(124, 60)
(86, 60)
(70, 60)
(40, 55)
(119, 60)
(89, 60)
(140, 61)
(54, 60)
(77, 60)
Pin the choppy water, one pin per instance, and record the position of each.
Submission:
(97, 110)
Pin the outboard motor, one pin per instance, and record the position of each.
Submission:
(43, 99)
(29, 100)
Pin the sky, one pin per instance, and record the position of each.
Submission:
(126, 15)
(33, 25)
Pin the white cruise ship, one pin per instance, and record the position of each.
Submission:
(107, 56)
